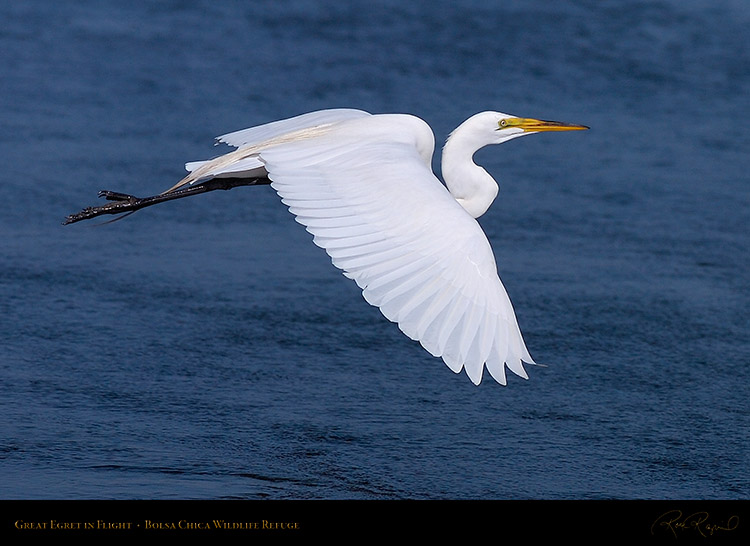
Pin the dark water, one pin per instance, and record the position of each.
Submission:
(207, 350)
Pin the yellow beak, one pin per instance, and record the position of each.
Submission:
(537, 125)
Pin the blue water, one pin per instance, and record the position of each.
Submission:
(206, 349)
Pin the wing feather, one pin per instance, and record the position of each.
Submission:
(275, 129)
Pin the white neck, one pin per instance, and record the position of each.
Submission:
(470, 184)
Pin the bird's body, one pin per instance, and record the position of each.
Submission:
(363, 186)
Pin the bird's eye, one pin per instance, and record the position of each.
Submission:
(503, 123)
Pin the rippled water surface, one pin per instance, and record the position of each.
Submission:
(206, 349)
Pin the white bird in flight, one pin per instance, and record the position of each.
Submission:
(363, 186)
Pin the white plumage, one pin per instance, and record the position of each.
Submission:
(364, 188)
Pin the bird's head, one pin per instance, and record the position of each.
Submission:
(488, 128)
(472, 186)
(506, 126)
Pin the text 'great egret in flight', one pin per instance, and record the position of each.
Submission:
(363, 185)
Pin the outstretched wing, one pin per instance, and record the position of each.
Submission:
(367, 194)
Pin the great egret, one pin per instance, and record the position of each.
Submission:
(363, 186)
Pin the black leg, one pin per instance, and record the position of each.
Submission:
(123, 202)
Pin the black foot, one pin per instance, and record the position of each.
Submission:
(117, 196)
